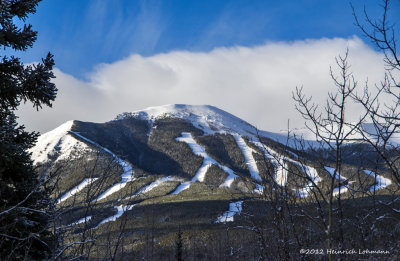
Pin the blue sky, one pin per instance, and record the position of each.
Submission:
(245, 57)
(82, 34)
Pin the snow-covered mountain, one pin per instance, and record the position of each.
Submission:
(177, 153)
(55, 142)
(209, 119)
(179, 164)
(137, 139)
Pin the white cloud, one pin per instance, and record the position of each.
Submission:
(254, 83)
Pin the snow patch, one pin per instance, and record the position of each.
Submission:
(235, 208)
(342, 189)
(121, 209)
(80, 221)
(281, 173)
(183, 186)
(331, 171)
(76, 189)
(259, 189)
(381, 181)
(312, 173)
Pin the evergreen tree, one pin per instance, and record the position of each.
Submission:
(23, 200)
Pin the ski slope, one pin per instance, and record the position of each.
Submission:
(126, 177)
(235, 208)
(207, 162)
(156, 184)
(339, 190)
(76, 189)
(248, 157)
(381, 182)
(121, 209)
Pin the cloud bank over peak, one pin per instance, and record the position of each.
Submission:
(254, 83)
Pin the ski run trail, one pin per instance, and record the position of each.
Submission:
(207, 162)
(76, 189)
(156, 183)
(342, 189)
(121, 209)
(281, 170)
(248, 157)
(235, 208)
(381, 181)
(126, 177)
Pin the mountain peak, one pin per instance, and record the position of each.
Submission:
(173, 110)
(206, 117)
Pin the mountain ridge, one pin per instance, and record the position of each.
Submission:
(209, 119)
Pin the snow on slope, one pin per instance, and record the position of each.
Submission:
(182, 187)
(281, 170)
(208, 118)
(80, 221)
(281, 173)
(76, 189)
(205, 117)
(331, 171)
(342, 189)
(54, 142)
(156, 183)
(278, 162)
(381, 181)
(121, 209)
(126, 177)
(248, 157)
(207, 162)
(234, 209)
(315, 178)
